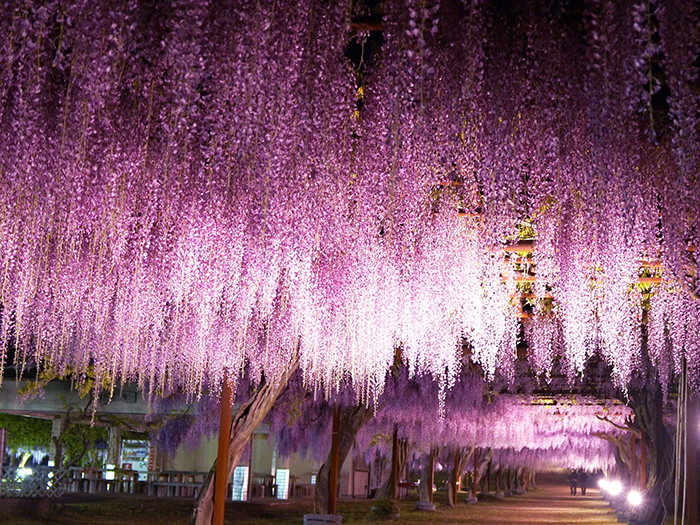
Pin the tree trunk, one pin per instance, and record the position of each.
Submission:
(427, 477)
(463, 455)
(484, 466)
(385, 491)
(243, 424)
(647, 406)
(351, 421)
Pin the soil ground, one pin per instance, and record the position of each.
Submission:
(550, 503)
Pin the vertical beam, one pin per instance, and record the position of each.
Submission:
(431, 474)
(455, 477)
(643, 463)
(333, 475)
(476, 472)
(250, 467)
(395, 465)
(499, 483)
(633, 457)
(352, 476)
(691, 443)
(221, 476)
(3, 442)
(488, 479)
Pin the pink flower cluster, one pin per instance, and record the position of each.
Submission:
(193, 186)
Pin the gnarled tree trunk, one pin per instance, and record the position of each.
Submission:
(385, 491)
(647, 406)
(427, 477)
(243, 424)
(351, 421)
(462, 456)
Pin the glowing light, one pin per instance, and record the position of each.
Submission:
(109, 474)
(603, 484)
(24, 472)
(614, 488)
(634, 498)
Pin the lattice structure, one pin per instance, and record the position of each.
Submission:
(39, 482)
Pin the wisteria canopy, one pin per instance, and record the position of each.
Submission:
(193, 186)
(519, 430)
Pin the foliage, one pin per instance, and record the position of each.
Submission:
(178, 198)
(26, 433)
(384, 508)
(83, 444)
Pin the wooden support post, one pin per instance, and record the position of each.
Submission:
(352, 477)
(431, 474)
(455, 478)
(488, 479)
(3, 441)
(333, 474)
(221, 476)
(476, 473)
(643, 463)
(395, 465)
(499, 484)
(633, 462)
(250, 467)
(691, 443)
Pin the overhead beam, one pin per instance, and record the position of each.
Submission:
(366, 26)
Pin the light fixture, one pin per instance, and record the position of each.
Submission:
(634, 498)
(614, 488)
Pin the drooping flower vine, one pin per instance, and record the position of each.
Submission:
(193, 187)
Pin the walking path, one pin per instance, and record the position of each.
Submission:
(552, 504)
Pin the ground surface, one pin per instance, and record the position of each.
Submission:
(549, 504)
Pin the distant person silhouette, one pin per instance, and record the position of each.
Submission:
(573, 479)
(583, 482)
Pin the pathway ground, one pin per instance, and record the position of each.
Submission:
(550, 504)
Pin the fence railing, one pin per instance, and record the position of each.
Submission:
(32, 483)
(52, 482)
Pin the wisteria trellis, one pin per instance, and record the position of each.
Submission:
(189, 186)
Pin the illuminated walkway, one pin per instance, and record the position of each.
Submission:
(550, 504)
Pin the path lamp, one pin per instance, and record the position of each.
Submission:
(634, 498)
(614, 488)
